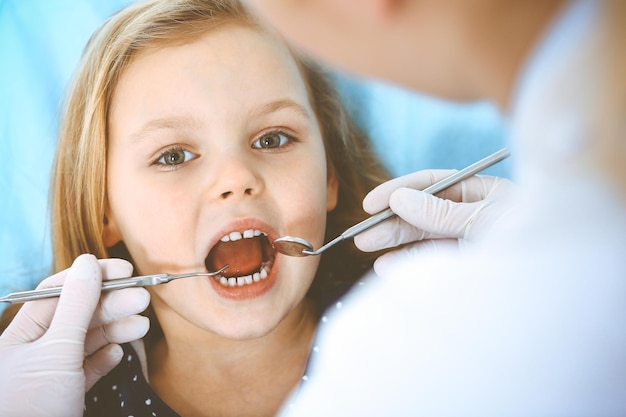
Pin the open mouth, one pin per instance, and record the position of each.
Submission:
(249, 254)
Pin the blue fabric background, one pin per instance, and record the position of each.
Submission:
(40, 44)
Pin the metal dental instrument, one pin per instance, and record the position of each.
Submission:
(295, 246)
(114, 284)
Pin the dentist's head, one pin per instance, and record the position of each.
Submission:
(459, 50)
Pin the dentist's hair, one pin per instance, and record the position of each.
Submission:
(78, 189)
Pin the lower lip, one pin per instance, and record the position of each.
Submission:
(247, 292)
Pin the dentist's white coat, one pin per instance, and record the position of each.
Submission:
(531, 321)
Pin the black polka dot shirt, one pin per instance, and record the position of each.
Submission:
(124, 392)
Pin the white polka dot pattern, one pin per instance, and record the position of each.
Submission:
(125, 393)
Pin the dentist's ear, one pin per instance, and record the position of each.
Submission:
(371, 12)
(111, 235)
(383, 10)
(332, 189)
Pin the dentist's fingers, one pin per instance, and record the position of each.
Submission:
(78, 300)
(389, 234)
(470, 190)
(119, 331)
(118, 304)
(424, 216)
(33, 318)
(112, 268)
(378, 199)
(389, 264)
(486, 201)
(101, 363)
(419, 216)
(433, 214)
(479, 187)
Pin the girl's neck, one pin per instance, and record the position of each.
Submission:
(188, 372)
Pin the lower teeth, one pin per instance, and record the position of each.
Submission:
(244, 280)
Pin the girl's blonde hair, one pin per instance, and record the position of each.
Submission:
(78, 192)
(79, 177)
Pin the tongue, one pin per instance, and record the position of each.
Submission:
(243, 256)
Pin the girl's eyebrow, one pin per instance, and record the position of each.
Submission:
(277, 105)
(187, 122)
(173, 123)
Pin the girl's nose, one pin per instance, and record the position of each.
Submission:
(227, 194)
(236, 178)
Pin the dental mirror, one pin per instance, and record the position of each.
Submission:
(292, 246)
(296, 246)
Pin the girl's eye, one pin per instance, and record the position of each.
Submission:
(173, 157)
(271, 140)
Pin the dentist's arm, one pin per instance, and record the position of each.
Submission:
(464, 212)
(56, 349)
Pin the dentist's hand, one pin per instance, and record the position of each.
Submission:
(465, 212)
(56, 349)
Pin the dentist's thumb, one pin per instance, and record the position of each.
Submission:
(78, 300)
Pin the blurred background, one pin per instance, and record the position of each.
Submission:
(41, 42)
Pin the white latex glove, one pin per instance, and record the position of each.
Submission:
(464, 212)
(56, 349)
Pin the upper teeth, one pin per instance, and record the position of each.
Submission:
(247, 234)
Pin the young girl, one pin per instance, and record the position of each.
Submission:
(193, 138)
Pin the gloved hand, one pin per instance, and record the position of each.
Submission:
(465, 212)
(56, 349)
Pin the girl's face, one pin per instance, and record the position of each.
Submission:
(214, 151)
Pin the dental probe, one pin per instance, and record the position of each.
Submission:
(296, 246)
(114, 284)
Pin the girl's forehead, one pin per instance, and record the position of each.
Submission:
(224, 54)
(227, 71)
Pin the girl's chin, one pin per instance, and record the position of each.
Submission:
(242, 328)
